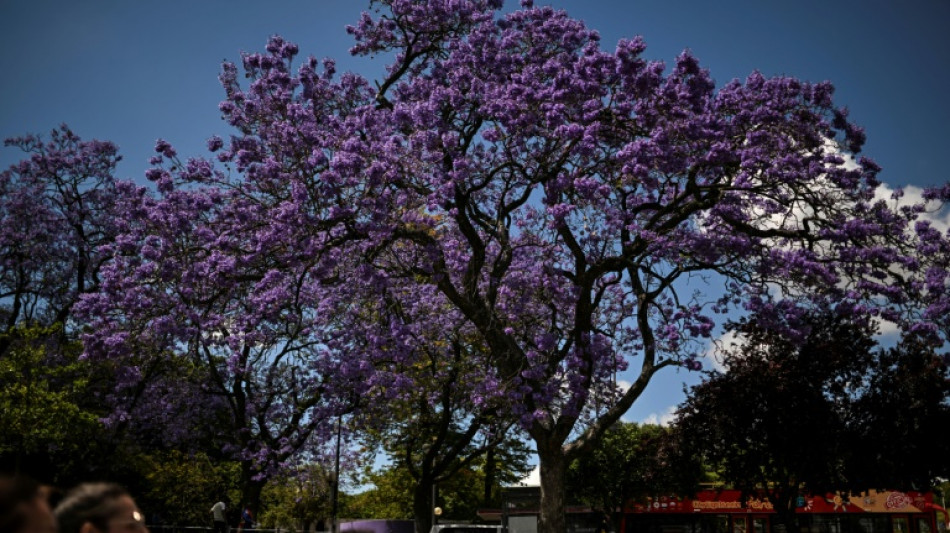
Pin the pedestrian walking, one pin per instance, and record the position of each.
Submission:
(217, 515)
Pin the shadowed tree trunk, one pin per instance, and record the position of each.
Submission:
(553, 499)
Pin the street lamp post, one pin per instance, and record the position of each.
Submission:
(334, 528)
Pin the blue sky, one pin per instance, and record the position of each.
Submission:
(133, 71)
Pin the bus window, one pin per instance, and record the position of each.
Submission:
(823, 523)
(923, 525)
(739, 524)
(761, 525)
(721, 523)
(805, 524)
(870, 524)
(899, 524)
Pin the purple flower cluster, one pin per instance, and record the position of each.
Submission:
(56, 208)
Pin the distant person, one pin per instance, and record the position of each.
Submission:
(24, 507)
(99, 508)
(247, 519)
(217, 515)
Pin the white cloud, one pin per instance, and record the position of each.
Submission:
(729, 340)
(939, 219)
(887, 329)
(533, 479)
(661, 419)
(623, 385)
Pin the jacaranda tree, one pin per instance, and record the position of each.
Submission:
(434, 429)
(55, 211)
(205, 279)
(929, 291)
(560, 197)
(552, 200)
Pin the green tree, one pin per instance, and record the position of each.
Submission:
(899, 422)
(631, 461)
(440, 427)
(459, 495)
(178, 488)
(775, 419)
(48, 407)
(296, 500)
(502, 466)
(389, 497)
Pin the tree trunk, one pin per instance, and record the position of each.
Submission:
(785, 519)
(250, 490)
(490, 469)
(422, 504)
(552, 468)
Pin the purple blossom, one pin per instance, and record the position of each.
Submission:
(57, 207)
(162, 147)
(215, 143)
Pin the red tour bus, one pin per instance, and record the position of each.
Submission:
(724, 511)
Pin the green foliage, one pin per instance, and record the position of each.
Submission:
(942, 491)
(631, 461)
(503, 465)
(294, 501)
(899, 422)
(459, 496)
(776, 418)
(34, 408)
(180, 487)
(390, 497)
(47, 405)
(813, 413)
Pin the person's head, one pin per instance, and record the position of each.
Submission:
(24, 507)
(99, 508)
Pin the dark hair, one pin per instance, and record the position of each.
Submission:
(90, 502)
(16, 493)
